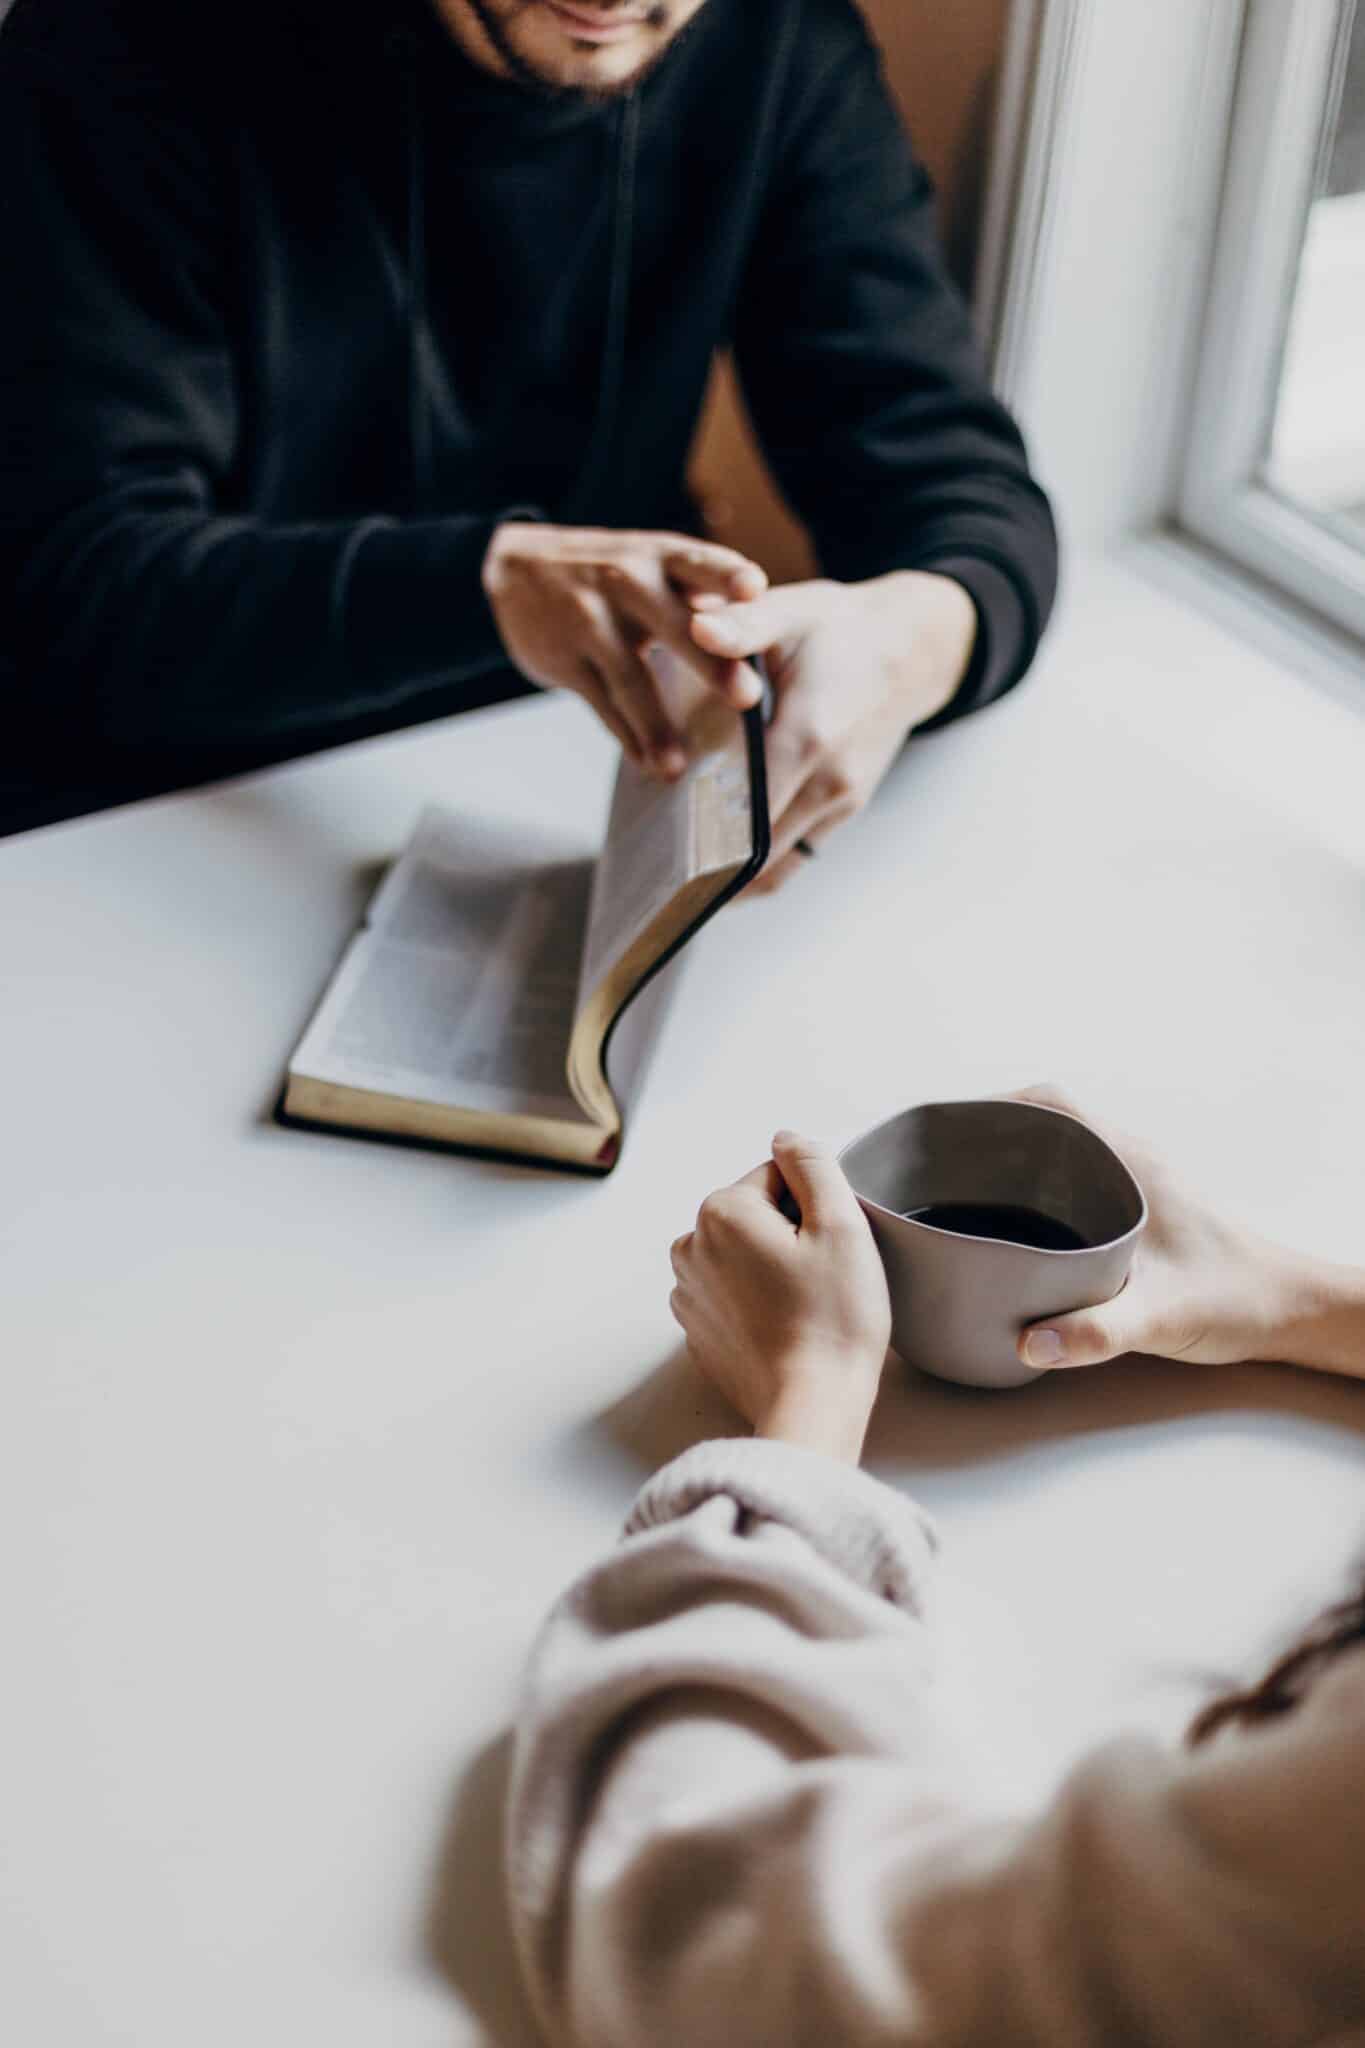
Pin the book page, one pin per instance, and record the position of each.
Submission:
(661, 837)
(462, 989)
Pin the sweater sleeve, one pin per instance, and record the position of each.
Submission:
(862, 373)
(737, 1815)
(133, 602)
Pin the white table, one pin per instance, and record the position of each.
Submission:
(303, 1434)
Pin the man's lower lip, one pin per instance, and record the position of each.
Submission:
(593, 27)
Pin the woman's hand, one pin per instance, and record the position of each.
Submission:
(790, 1320)
(1200, 1289)
(579, 607)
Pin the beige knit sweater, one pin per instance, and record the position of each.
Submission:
(737, 1818)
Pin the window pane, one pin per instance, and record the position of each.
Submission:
(1317, 443)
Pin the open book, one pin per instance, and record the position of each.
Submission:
(504, 998)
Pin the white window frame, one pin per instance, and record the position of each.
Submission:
(1291, 67)
(1135, 282)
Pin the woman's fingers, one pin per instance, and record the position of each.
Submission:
(817, 1182)
(1047, 1096)
(766, 1182)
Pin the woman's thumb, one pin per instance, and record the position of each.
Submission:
(815, 1178)
(1090, 1336)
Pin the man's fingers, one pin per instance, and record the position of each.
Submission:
(634, 690)
(747, 629)
(658, 608)
(794, 750)
(703, 569)
(816, 1180)
(597, 697)
(818, 805)
(733, 680)
(1091, 1336)
(782, 867)
(817, 809)
(774, 877)
(795, 844)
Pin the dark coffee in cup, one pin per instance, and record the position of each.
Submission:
(991, 1215)
(1010, 1222)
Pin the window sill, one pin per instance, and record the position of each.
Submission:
(1265, 621)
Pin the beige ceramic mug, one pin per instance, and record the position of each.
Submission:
(962, 1288)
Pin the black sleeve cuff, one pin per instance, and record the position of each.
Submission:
(1005, 634)
(411, 605)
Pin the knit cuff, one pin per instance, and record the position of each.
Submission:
(413, 604)
(1005, 634)
(880, 1539)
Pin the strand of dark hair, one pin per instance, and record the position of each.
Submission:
(1340, 1628)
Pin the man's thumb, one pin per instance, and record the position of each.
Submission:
(815, 1178)
(752, 628)
(1090, 1336)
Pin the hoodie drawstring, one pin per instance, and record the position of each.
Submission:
(419, 418)
(611, 378)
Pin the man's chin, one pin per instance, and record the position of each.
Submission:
(555, 49)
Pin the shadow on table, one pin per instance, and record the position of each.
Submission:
(467, 1937)
(929, 1424)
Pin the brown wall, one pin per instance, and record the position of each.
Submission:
(942, 58)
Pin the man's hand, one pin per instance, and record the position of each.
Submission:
(854, 669)
(791, 1321)
(578, 609)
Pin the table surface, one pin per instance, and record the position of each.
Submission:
(305, 1434)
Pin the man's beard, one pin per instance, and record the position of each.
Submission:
(497, 28)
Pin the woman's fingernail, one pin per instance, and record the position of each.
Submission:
(673, 761)
(1043, 1347)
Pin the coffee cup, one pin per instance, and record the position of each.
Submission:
(989, 1216)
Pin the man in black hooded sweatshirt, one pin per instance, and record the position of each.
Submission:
(350, 358)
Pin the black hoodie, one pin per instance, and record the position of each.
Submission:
(296, 303)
